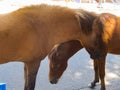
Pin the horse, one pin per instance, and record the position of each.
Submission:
(107, 31)
(106, 27)
(59, 57)
(28, 34)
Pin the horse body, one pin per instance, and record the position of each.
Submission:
(110, 33)
(28, 35)
(112, 47)
(24, 32)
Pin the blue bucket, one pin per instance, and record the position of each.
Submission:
(2, 86)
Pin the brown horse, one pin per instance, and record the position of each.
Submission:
(106, 27)
(28, 35)
(107, 30)
(59, 57)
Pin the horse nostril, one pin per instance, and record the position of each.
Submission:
(53, 81)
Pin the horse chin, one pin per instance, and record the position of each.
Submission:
(53, 81)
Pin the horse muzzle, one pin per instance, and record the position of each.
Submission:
(53, 81)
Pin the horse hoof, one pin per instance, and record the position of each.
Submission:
(92, 85)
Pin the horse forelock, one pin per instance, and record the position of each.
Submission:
(86, 20)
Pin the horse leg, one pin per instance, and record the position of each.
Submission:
(30, 73)
(96, 76)
(101, 65)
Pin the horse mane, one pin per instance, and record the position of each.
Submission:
(43, 7)
(86, 19)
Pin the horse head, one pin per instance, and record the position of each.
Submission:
(59, 56)
(58, 64)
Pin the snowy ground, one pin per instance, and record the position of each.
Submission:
(80, 69)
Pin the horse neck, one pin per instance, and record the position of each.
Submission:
(57, 41)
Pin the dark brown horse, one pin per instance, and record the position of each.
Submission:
(106, 27)
(28, 35)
